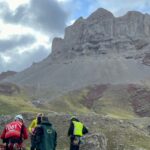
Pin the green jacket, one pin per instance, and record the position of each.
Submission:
(46, 136)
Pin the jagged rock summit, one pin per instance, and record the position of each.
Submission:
(102, 33)
(101, 49)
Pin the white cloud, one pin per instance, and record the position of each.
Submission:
(120, 7)
(71, 22)
(11, 29)
(44, 16)
(6, 59)
(13, 4)
(63, 0)
(26, 31)
(20, 61)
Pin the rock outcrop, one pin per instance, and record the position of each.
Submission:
(6, 74)
(96, 141)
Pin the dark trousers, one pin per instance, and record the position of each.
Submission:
(72, 145)
(11, 141)
(33, 145)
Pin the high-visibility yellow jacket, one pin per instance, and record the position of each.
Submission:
(32, 125)
(78, 128)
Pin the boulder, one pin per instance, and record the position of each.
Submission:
(95, 141)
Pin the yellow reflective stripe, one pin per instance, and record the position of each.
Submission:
(78, 127)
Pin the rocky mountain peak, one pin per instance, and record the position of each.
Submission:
(79, 20)
(100, 13)
(134, 13)
(102, 33)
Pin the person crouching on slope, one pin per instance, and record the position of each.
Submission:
(75, 132)
(14, 133)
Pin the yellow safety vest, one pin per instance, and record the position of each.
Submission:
(78, 128)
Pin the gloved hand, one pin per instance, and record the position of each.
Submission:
(32, 130)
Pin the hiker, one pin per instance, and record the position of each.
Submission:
(34, 139)
(31, 128)
(75, 132)
(14, 133)
(45, 135)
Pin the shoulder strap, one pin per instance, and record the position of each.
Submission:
(21, 133)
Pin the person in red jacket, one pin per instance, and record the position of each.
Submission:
(14, 133)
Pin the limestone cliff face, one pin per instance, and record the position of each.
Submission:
(102, 33)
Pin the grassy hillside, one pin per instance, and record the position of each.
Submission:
(114, 101)
(114, 110)
(15, 104)
(15, 100)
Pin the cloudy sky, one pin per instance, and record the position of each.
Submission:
(27, 27)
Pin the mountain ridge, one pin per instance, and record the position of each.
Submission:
(101, 49)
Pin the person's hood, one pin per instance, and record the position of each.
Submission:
(74, 119)
(46, 123)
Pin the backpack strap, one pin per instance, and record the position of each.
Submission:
(21, 133)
